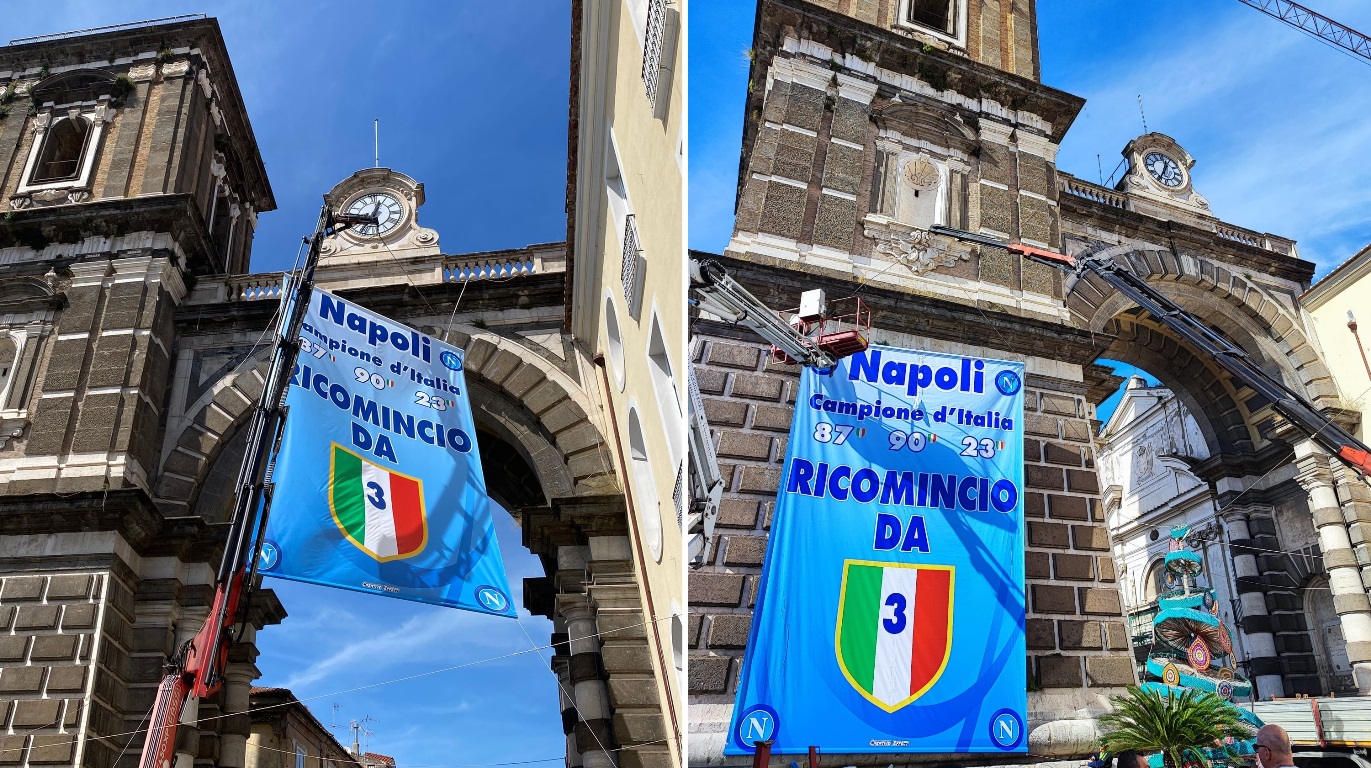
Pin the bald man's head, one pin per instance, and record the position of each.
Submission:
(1273, 746)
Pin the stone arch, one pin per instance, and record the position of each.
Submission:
(545, 445)
(1249, 315)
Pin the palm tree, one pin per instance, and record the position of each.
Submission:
(1182, 727)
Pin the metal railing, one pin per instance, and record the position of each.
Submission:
(628, 271)
(654, 41)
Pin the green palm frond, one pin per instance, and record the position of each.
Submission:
(1181, 727)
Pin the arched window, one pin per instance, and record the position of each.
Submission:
(64, 147)
(1152, 583)
(8, 351)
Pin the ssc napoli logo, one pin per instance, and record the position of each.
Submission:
(492, 598)
(451, 360)
(269, 556)
(1006, 729)
(759, 723)
(1007, 382)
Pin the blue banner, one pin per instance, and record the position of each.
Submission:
(378, 483)
(890, 617)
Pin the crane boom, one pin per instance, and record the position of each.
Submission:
(1316, 24)
(198, 667)
(1303, 414)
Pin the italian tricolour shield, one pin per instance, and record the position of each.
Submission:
(894, 629)
(380, 511)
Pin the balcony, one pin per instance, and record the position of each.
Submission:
(654, 43)
(628, 271)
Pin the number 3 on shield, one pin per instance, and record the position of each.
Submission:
(895, 624)
(380, 500)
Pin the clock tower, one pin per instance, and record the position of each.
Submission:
(395, 198)
(1158, 178)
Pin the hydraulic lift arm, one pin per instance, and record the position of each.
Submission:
(198, 667)
(722, 296)
(1290, 404)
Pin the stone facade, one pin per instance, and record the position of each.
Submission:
(139, 355)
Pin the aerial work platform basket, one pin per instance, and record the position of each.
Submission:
(840, 328)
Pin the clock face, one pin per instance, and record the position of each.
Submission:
(1164, 169)
(387, 209)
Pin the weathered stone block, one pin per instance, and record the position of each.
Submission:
(744, 445)
(835, 222)
(795, 156)
(37, 617)
(52, 748)
(759, 480)
(1068, 507)
(1035, 219)
(710, 589)
(842, 168)
(805, 106)
(1074, 567)
(37, 713)
(1108, 671)
(757, 386)
(997, 212)
(52, 647)
(772, 417)
(13, 647)
(1090, 537)
(729, 630)
(710, 381)
(1046, 478)
(1105, 566)
(626, 657)
(1050, 598)
(1116, 635)
(709, 674)
(12, 748)
(744, 550)
(738, 513)
(1041, 635)
(1065, 455)
(21, 679)
(850, 121)
(17, 588)
(733, 355)
(783, 210)
(1060, 671)
(725, 413)
(1037, 565)
(1034, 505)
(1041, 534)
(1080, 635)
(67, 679)
(80, 616)
(1100, 601)
(997, 266)
(1082, 481)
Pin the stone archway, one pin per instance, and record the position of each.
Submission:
(547, 462)
(1246, 438)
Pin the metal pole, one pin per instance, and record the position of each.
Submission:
(762, 756)
(813, 757)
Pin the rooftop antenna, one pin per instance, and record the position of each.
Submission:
(1099, 168)
(1142, 113)
(376, 140)
(359, 729)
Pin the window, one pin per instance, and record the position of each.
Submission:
(64, 147)
(944, 18)
(299, 755)
(664, 385)
(614, 339)
(648, 506)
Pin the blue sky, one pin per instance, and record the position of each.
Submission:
(1274, 119)
(472, 99)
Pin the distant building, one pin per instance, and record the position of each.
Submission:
(285, 734)
(1261, 554)
(1340, 304)
(373, 760)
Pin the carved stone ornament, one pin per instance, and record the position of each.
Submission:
(142, 71)
(20, 202)
(177, 68)
(425, 236)
(916, 249)
(50, 195)
(921, 174)
(11, 429)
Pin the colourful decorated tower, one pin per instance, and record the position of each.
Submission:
(1192, 647)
